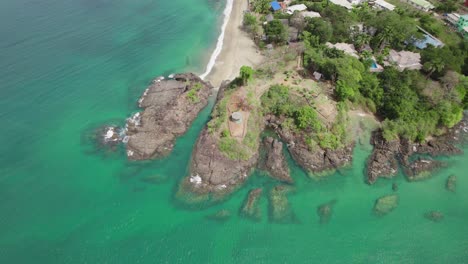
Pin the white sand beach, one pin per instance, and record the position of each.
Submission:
(238, 48)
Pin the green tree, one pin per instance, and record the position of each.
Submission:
(436, 65)
(344, 91)
(276, 32)
(246, 74)
(321, 28)
(261, 6)
(306, 117)
(250, 23)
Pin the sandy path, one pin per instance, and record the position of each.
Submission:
(238, 48)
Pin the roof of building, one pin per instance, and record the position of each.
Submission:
(465, 16)
(428, 39)
(293, 8)
(310, 14)
(269, 17)
(385, 5)
(423, 3)
(347, 48)
(275, 5)
(342, 3)
(465, 29)
(405, 59)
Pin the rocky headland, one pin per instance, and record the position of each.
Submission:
(169, 107)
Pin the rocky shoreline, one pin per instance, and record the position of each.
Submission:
(387, 156)
(317, 160)
(169, 108)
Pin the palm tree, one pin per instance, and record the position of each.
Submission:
(361, 40)
(385, 37)
(432, 66)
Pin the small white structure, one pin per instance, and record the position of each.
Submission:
(404, 60)
(236, 117)
(291, 9)
(310, 14)
(355, 2)
(343, 3)
(383, 5)
(421, 4)
(347, 48)
(317, 76)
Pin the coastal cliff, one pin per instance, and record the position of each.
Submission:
(169, 107)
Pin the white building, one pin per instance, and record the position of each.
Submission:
(310, 14)
(291, 9)
(384, 5)
(421, 4)
(343, 3)
(453, 18)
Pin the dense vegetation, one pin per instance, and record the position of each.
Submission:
(300, 117)
(414, 104)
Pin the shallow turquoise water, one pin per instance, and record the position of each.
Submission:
(68, 66)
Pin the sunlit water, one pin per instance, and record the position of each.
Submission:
(67, 67)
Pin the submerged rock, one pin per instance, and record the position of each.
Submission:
(169, 107)
(251, 208)
(325, 211)
(386, 204)
(451, 183)
(275, 162)
(434, 216)
(155, 179)
(222, 216)
(280, 209)
(394, 187)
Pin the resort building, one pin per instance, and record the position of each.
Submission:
(462, 22)
(310, 14)
(381, 4)
(343, 3)
(452, 18)
(290, 10)
(404, 60)
(421, 4)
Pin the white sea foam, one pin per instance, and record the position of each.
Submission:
(219, 44)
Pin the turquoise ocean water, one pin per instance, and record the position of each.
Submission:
(67, 67)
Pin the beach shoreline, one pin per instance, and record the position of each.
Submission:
(234, 48)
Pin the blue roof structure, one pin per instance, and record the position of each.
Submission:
(428, 39)
(275, 6)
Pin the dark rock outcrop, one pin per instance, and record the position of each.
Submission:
(251, 208)
(388, 155)
(169, 107)
(316, 160)
(274, 161)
